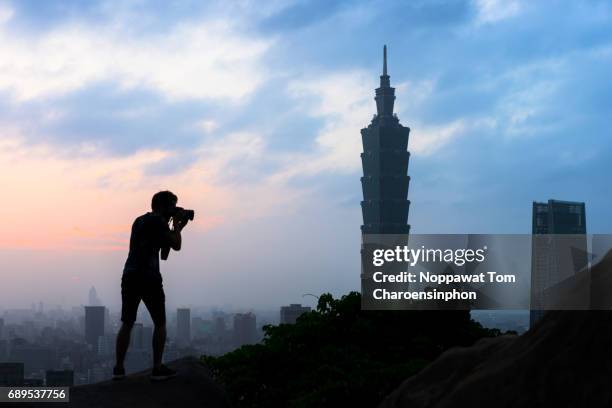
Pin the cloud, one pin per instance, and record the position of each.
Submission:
(345, 102)
(6, 13)
(207, 125)
(88, 200)
(201, 60)
(429, 139)
(491, 11)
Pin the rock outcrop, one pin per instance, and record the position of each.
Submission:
(192, 387)
(564, 361)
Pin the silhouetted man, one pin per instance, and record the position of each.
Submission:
(142, 279)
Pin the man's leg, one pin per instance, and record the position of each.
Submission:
(159, 341)
(160, 372)
(155, 301)
(123, 342)
(130, 299)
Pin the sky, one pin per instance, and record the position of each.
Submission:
(251, 113)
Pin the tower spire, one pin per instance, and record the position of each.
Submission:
(385, 60)
(385, 94)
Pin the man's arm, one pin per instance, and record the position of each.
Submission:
(174, 236)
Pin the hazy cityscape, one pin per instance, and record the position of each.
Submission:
(73, 346)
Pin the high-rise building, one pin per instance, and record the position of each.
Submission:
(289, 314)
(220, 328)
(559, 217)
(34, 357)
(385, 166)
(99, 373)
(136, 341)
(59, 378)
(1, 328)
(555, 259)
(94, 324)
(93, 298)
(245, 330)
(183, 326)
(3, 350)
(201, 328)
(147, 336)
(106, 345)
(11, 374)
(384, 183)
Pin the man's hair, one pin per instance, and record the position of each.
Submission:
(163, 199)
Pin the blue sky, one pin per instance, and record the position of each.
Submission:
(251, 111)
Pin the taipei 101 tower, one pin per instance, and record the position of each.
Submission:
(385, 166)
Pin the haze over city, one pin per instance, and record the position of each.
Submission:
(251, 115)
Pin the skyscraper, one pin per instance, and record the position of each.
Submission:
(220, 328)
(94, 300)
(59, 378)
(289, 314)
(385, 166)
(136, 339)
(94, 324)
(245, 331)
(554, 259)
(147, 336)
(384, 183)
(559, 217)
(183, 326)
(11, 374)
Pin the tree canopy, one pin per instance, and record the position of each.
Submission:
(340, 355)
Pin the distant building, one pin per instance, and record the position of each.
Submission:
(107, 321)
(559, 217)
(94, 324)
(147, 337)
(137, 360)
(98, 374)
(289, 314)
(94, 300)
(11, 374)
(106, 345)
(33, 382)
(34, 357)
(136, 341)
(59, 378)
(3, 350)
(81, 378)
(220, 328)
(555, 260)
(170, 355)
(245, 330)
(1, 328)
(183, 327)
(200, 328)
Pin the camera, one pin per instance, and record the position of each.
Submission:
(183, 215)
(177, 214)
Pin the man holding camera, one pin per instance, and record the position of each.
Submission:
(142, 279)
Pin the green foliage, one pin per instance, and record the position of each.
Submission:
(340, 355)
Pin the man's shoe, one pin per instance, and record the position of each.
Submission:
(118, 373)
(162, 373)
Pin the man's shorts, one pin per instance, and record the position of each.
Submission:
(150, 291)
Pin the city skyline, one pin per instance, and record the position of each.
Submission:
(90, 129)
(76, 346)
